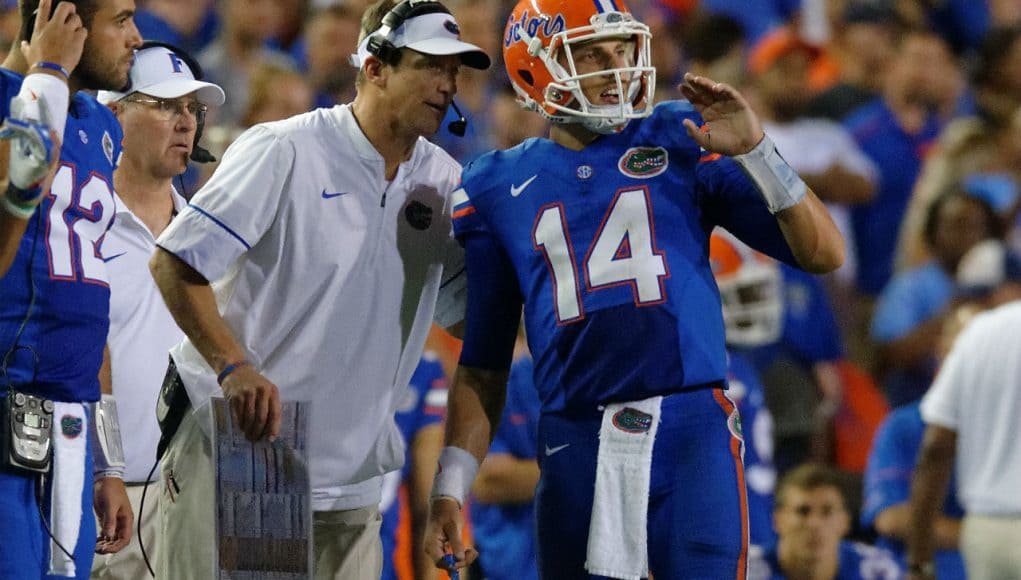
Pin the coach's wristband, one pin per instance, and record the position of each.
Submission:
(227, 370)
(779, 184)
(455, 475)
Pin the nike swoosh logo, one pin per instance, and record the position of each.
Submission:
(114, 257)
(332, 195)
(516, 190)
(558, 448)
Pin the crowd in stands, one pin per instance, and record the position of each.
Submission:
(904, 117)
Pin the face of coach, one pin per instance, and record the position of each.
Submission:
(407, 97)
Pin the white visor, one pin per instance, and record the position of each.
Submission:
(159, 72)
(436, 34)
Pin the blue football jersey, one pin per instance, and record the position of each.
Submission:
(888, 474)
(607, 248)
(857, 562)
(746, 391)
(423, 403)
(56, 293)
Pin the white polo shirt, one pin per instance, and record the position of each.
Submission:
(977, 393)
(142, 332)
(328, 276)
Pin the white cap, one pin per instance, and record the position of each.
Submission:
(436, 33)
(159, 72)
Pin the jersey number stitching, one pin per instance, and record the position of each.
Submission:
(77, 256)
(623, 252)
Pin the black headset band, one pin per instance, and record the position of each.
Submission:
(409, 9)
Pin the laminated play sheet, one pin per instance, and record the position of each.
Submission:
(263, 510)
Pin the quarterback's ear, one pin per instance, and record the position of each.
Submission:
(116, 107)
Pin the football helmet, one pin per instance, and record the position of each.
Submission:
(751, 291)
(537, 51)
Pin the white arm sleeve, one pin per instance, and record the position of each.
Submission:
(232, 212)
(56, 95)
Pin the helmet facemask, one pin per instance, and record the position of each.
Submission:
(564, 99)
(752, 304)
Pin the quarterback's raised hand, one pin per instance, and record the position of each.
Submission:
(254, 403)
(731, 127)
(58, 39)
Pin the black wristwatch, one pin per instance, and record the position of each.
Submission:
(926, 569)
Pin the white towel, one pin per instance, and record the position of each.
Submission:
(70, 434)
(618, 539)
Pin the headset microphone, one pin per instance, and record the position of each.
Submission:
(459, 126)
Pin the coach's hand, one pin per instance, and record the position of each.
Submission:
(58, 39)
(731, 126)
(254, 403)
(113, 509)
(444, 529)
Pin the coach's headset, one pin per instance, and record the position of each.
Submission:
(382, 47)
(199, 154)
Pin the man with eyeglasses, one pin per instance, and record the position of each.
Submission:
(159, 113)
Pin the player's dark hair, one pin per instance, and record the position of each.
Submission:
(995, 226)
(86, 10)
(809, 477)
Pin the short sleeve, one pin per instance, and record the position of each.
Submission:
(235, 208)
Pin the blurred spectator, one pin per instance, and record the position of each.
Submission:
(331, 37)
(238, 49)
(971, 415)
(833, 165)
(984, 148)
(895, 131)
(863, 47)
(888, 493)
(714, 45)
(188, 24)
(288, 36)
(811, 519)
(503, 510)
(910, 311)
(405, 503)
(274, 93)
(757, 18)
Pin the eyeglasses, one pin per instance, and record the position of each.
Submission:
(168, 109)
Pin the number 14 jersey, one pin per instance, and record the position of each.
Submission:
(56, 293)
(608, 250)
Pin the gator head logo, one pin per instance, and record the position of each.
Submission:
(643, 162)
(71, 426)
(631, 420)
(735, 425)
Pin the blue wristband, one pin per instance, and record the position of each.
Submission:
(53, 66)
(227, 370)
